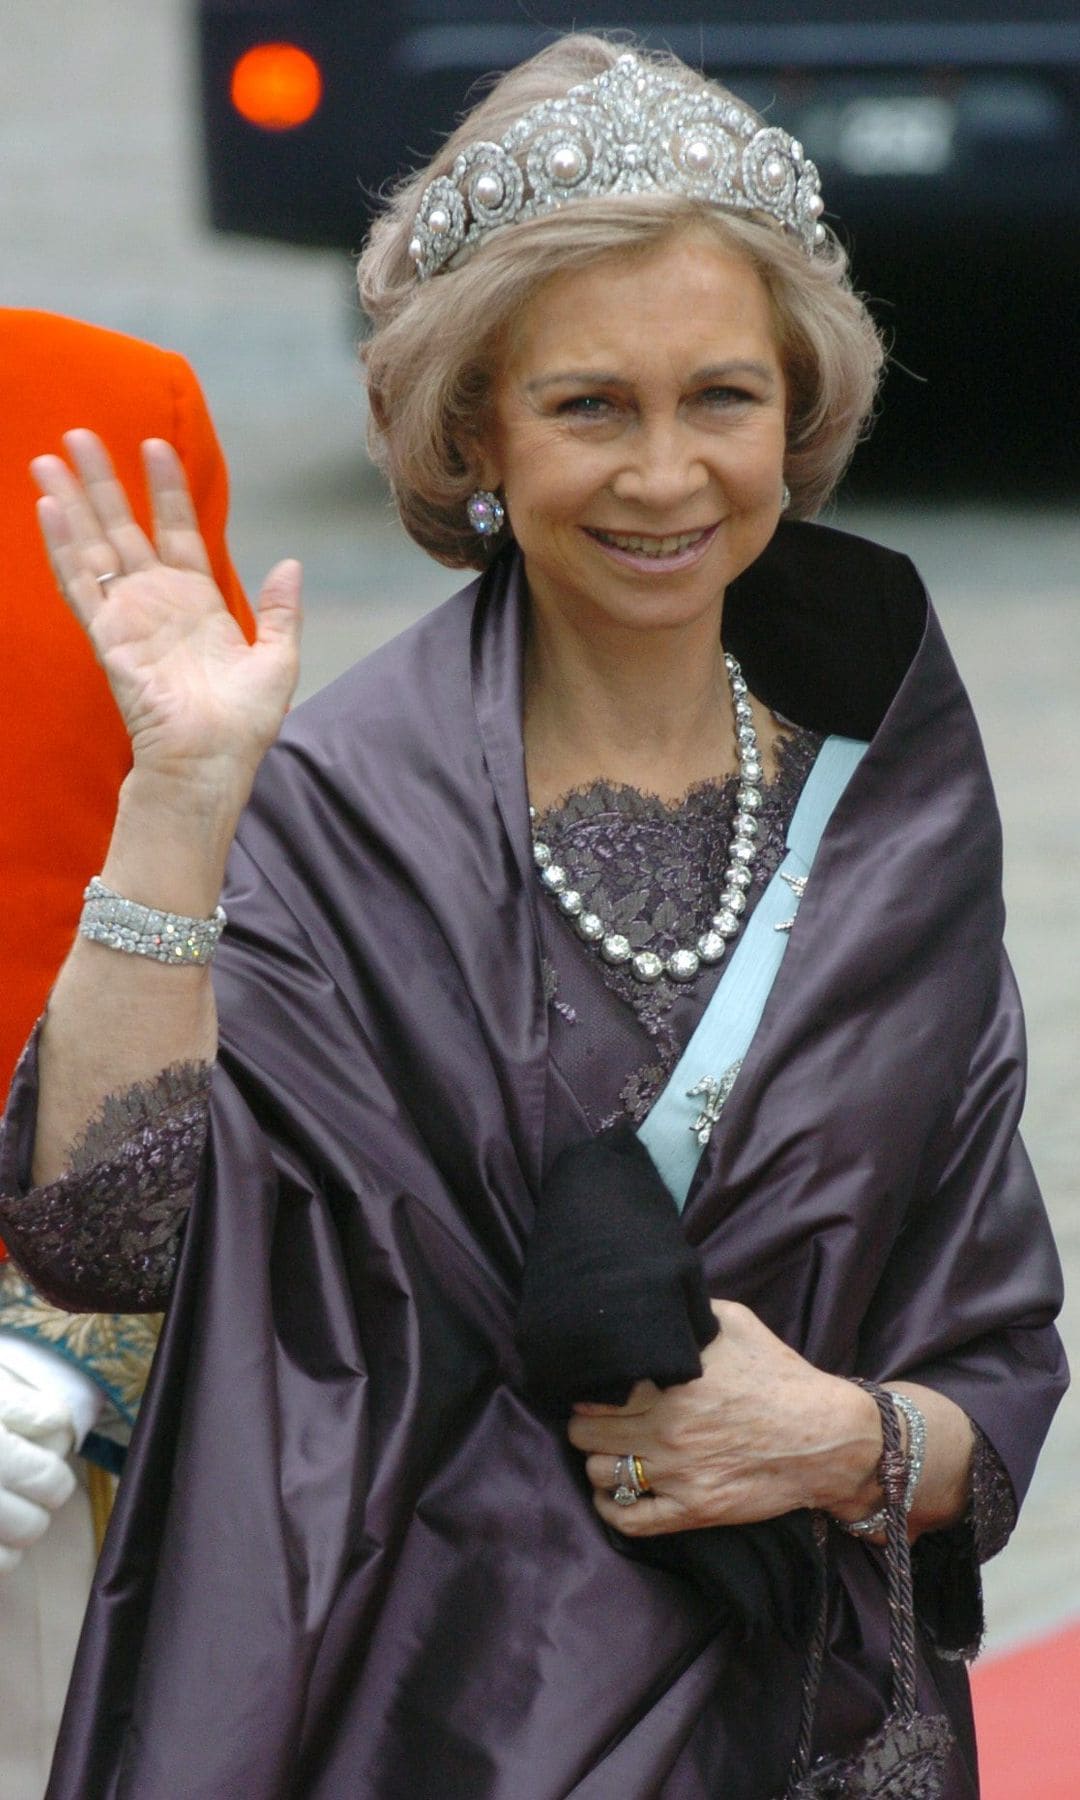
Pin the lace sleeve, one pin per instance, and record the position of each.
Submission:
(993, 1503)
(104, 1237)
(946, 1564)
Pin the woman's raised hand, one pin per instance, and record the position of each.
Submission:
(200, 704)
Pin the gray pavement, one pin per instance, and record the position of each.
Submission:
(99, 218)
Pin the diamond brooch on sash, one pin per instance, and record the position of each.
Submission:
(797, 884)
(714, 1094)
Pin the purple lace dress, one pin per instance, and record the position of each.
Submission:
(655, 871)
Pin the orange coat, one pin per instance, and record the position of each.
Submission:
(63, 749)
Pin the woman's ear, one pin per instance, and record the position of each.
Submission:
(478, 457)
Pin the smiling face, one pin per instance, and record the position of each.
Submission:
(638, 436)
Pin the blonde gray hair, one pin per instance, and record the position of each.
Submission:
(435, 347)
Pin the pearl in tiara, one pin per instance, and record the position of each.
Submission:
(633, 129)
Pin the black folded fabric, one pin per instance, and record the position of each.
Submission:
(613, 1294)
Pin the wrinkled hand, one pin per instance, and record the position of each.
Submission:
(198, 701)
(36, 1434)
(760, 1433)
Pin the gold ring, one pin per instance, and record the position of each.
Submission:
(642, 1482)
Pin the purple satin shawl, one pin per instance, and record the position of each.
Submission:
(347, 1558)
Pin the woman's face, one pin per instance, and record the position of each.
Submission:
(638, 436)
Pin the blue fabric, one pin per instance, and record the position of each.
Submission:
(734, 1012)
(104, 1452)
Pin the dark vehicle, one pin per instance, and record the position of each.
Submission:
(947, 133)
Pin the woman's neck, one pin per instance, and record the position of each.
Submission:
(652, 709)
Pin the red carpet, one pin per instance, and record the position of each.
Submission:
(1027, 1713)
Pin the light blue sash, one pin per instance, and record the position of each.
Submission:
(678, 1126)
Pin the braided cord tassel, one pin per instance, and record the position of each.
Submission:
(906, 1759)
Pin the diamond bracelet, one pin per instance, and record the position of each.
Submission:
(916, 1451)
(107, 918)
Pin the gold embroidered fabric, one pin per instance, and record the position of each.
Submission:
(114, 1349)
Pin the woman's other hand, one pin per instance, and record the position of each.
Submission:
(200, 704)
(760, 1433)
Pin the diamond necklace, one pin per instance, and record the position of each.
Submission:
(685, 962)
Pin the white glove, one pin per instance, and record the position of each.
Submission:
(37, 1432)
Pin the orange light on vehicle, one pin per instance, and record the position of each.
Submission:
(276, 86)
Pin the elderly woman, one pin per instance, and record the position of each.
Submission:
(674, 821)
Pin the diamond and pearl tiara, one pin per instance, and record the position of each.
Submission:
(633, 129)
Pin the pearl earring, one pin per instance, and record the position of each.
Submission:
(785, 497)
(487, 514)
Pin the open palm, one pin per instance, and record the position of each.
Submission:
(195, 696)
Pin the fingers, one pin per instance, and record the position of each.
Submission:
(602, 1436)
(176, 527)
(279, 608)
(33, 1473)
(606, 1473)
(55, 478)
(77, 583)
(648, 1517)
(279, 619)
(643, 1395)
(89, 530)
(107, 503)
(606, 1428)
(652, 1512)
(86, 523)
(27, 1412)
(22, 1522)
(98, 506)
